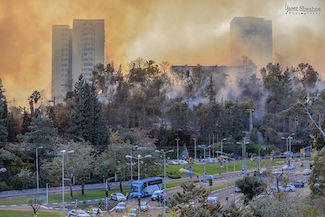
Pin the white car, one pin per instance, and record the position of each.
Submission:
(289, 167)
(144, 206)
(212, 200)
(120, 207)
(118, 197)
(287, 188)
(78, 213)
(156, 194)
(307, 172)
(182, 162)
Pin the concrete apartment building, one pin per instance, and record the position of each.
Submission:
(75, 51)
(88, 43)
(251, 37)
(61, 62)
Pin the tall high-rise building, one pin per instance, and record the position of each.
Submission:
(88, 43)
(251, 37)
(75, 51)
(61, 62)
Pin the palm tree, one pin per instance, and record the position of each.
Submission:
(33, 99)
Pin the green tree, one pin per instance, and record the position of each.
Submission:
(33, 99)
(41, 131)
(179, 115)
(232, 211)
(192, 202)
(251, 187)
(35, 203)
(79, 163)
(27, 178)
(3, 115)
(86, 119)
(26, 122)
(317, 177)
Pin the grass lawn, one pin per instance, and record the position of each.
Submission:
(215, 168)
(57, 197)
(217, 187)
(13, 213)
(173, 184)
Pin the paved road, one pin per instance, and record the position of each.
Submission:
(42, 191)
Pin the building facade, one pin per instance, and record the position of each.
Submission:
(251, 37)
(74, 52)
(61, 62)
(88, 43)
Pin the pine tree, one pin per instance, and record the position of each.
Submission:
(76, 117)
(86, 119)
(11, 128)
(232, 211)
(41, 131)
(3, 115)
(100, 131)
(26, 122)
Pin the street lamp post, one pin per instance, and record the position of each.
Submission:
(139, 157)
(47, 194)
(106, 192)
(234, 176)
(133, 148)
(163, 152)
(63, 152)
(36, 156)
(244, 143)
(204, 147)
(288, 144)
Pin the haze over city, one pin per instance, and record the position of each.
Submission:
(180, 32)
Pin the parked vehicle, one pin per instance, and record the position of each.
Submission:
(120, 207)
(307, 172)
(299, 184)
(237, 190)
(287, 188)
(78, 213)
(212, 200)
(118, 197)
(144, 206)
(288, 167)
(157, 194)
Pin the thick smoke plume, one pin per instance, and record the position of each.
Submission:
(181, 32)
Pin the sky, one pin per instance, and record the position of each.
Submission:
(177, 31)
